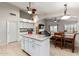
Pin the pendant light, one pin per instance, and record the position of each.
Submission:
(65, 13)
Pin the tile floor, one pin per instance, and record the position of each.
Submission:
(63, 52)
(13, 49)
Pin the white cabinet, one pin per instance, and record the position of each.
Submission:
(45, 48)
(36, 47)
(42, 48)
(30, 46)
(21, 24)
(25, 25)
(26, 44)
(22, 43)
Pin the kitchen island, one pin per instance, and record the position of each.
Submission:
(35, 45)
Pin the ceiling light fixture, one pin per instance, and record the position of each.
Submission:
(65, 13)
(65, 17)
(31, 10)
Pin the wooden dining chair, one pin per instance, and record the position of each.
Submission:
(52, 39)
(70, 41)
(59, 39)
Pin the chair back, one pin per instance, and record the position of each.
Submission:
(59, 33)
(74, 36)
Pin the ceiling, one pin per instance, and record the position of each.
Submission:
(46, 9)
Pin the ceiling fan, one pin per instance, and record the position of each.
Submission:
(59, 18)
(30, 10)
(66, 16)
(65, 13)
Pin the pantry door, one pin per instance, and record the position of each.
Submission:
(11, 31)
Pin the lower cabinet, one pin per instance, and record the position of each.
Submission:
(26, 44)
(35, 47)
(30, 47)
(22, 43)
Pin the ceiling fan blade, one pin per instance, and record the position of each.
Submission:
(31, 11)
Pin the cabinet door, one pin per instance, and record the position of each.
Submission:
(30, 46)
(26, 43)
(22, 42)
(25, 25)
(21, 25)
(36, 49)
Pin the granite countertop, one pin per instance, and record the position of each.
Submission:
(36, 36)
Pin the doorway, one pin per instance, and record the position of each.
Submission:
(11, 31)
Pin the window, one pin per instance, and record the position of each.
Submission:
(71, 28)
(53, 28)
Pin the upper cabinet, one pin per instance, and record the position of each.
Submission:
(26, 24)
